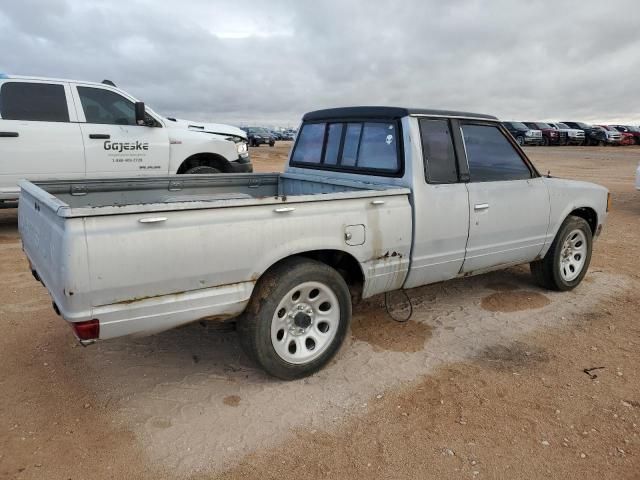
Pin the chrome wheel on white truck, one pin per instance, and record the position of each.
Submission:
(297, 318)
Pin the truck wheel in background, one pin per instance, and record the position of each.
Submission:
(297, 318)
(203, 169)
(272, 144)
(545, 141)
(520, 140)
(566, 263)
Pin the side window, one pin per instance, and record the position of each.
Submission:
(437, 150)
(106, 107)
(378, 148)
(309, 144)
(490, 155)
(37, 102)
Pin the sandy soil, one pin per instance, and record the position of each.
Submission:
(487, 380)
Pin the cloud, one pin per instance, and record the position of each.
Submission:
(248, 61)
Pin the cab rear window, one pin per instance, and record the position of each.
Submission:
(350, 146)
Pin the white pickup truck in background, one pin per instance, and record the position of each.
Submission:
(373, 199)
(63, 129)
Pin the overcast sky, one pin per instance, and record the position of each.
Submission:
(258, 61)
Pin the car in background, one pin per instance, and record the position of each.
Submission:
(259, 136)
(634, 131)
(575, 136)
(523, 134)
(289, 135)
(611, 136)
(276, 135)
(591, 133)
(550, 135)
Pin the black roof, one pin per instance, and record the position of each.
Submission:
(386, 112)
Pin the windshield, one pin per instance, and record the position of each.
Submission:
(633, 129)
(583, 125)
(542, 125)
(562, 125)
(518, 125)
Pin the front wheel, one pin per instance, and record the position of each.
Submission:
(520, 140)
(566, 263)
(297, 318)
(202, 169)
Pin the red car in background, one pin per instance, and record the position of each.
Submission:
(635, 131)
(625, 138)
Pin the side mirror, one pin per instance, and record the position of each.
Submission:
(140, 114)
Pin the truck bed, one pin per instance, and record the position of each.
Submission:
(143, 255)
(87, 197)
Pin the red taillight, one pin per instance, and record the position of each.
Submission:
(89, 330)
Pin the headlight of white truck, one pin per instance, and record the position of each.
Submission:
(528, 133)
(242, 147)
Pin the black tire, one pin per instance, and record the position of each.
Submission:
(202, 169)
(254, 326)
(272, 144)
(545, 141)
(547, 273)
(520, 140)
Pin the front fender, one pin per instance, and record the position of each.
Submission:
(568, 195)
(185, 144)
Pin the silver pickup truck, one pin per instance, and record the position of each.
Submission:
(373, 199)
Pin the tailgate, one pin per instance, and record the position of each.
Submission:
(56, 250)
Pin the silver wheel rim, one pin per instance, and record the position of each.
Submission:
(305, 322)
(573, 255)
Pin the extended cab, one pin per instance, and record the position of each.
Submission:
(62, 129)
(373, 199)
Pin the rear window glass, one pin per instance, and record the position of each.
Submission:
(309, 145)
(38, 102)
(366, 146)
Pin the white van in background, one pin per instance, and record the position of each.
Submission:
(64, 129)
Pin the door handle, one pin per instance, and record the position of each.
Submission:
(284, 210)
(481, 206)
(99, 136)
(377, 202)
(153, 219)
(9, 134)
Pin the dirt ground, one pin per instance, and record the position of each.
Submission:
(491, 378)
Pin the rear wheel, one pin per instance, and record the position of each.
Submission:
(297, 318)
(545, 141)
(520, 140)
(202, 169)
(566, 263)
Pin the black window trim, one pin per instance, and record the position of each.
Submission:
(456, 154)
(532, 169)
(399, 173)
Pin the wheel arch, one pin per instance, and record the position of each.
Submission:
(589, 215)
(205, 159)
(343, 262)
